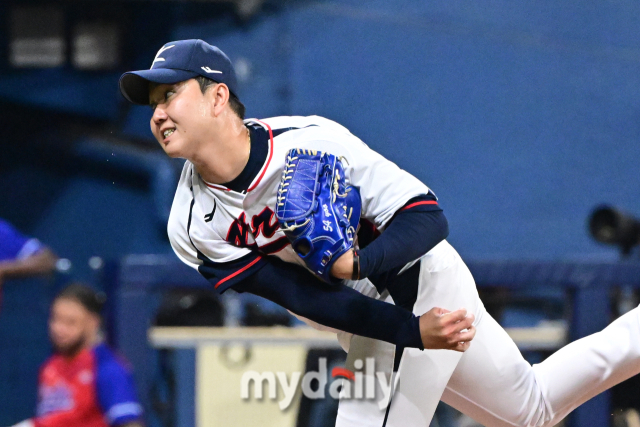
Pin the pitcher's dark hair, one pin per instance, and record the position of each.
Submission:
(235, 104)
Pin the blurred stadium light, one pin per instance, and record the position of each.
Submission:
(96, 46)
(37, 37)
(38, 40)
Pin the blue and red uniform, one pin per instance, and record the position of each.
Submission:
(93, 389)
(14, 245)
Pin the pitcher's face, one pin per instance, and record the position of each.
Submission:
(182, 117)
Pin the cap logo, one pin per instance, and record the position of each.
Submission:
(158, 58)
(209, 70)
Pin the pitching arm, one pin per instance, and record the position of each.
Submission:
(343, 308)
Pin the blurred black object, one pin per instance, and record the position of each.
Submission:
(255, 316)
(190, 307)
(320, 412)
(611, 226)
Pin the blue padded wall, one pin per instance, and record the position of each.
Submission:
(520, 120)
(23, 346)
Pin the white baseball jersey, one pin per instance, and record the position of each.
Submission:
(217, 230)
(211, 224)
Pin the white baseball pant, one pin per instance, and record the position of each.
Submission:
(491, 382)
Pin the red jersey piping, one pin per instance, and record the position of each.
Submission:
(237, 272)
(270, 156)
(424, 202)
(216, 187)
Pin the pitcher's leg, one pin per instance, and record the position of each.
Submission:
(444, 281)
(422, 377)
(494, 385)
(367, 412)
(591, 365)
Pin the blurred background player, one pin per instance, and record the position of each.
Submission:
(84, 384)
(22, 256)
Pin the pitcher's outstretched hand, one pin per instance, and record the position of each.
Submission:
(447, 330)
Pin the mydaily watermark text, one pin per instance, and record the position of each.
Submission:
(345, 384)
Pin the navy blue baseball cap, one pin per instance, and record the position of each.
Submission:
(176, 62)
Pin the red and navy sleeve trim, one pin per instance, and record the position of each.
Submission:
(423, 203)
(413, 231)
(223, 275)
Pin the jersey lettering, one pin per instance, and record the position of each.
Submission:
(263, 223)
(238, 233)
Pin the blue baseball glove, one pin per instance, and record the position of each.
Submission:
(317, 208)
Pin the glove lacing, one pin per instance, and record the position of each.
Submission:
(287, 174)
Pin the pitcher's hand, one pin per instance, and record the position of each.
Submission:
(447, 330)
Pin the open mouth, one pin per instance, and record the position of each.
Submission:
(167, 133)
